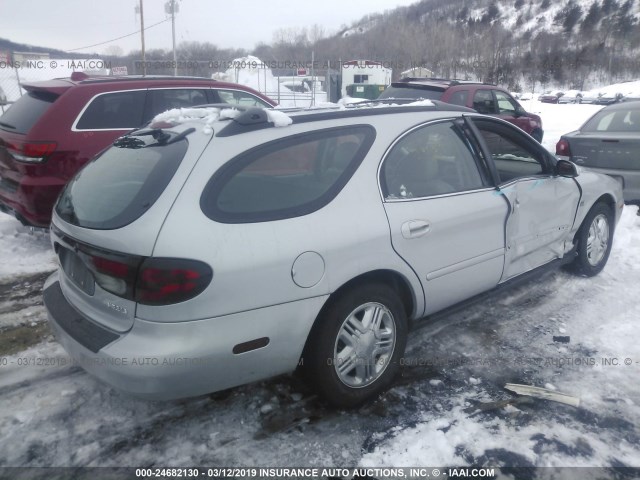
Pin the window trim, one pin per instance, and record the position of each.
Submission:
(220, 178)
(478, 163)
(545, 155)
(217, 89)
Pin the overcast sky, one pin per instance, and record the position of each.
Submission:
(72, 24)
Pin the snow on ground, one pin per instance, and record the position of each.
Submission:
(22, 251)
(600, 317)
(449, 406)
(558, 119)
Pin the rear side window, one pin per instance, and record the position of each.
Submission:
(120, 185)
(412, 93)
(160, 100)
(459, 98)
(24, 114)
(286, 178)
(117, 110)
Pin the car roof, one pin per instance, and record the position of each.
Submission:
(248, 119)
(634, 105)
(431, 82)
(120, 82)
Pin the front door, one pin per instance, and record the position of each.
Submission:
(446, 221)
(542, 205)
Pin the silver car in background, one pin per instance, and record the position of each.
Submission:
(220, 246)
(609, 142)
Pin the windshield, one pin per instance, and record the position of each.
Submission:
(118, 186)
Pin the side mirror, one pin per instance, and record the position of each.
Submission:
(565, 168)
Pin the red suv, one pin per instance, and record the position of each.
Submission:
(482, 97)
(58, 125)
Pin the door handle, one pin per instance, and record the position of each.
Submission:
(415, 228)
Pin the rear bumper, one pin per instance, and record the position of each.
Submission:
(30, 200)
(163, 361)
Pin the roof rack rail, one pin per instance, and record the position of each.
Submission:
(254, 118)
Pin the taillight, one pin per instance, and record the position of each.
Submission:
(146, 280)
(562, 148)
(163, 281)
(31, 152)
(117, 277)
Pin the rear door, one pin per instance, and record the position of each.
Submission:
(542, 206)
(446, 220)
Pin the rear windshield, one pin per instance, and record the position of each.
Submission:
(411, 92)
(23, 114)
(627, 120)
(118, 186)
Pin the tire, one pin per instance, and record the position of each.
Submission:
(347, 359)
(594, 238)
(537, 135)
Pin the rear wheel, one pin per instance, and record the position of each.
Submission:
(537, 134)
(594, 241)
(354, 350)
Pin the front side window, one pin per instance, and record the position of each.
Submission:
(117, 110)
(483, 102)
(286, 178)
(506, 105)
(432, 160)
(512, 154)
(238, 97)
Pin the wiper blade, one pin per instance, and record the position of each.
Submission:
(162, 137)
(182, 135)
(7, 125)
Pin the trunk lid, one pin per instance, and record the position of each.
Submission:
(614, 150)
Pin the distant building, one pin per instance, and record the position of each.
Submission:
(357, 75)
(417, 72)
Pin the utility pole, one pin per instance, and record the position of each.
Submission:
(144, 58)
(173, 6)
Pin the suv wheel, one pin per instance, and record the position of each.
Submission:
(354, 350)
(594, 241)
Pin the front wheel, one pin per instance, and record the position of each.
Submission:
(594, 238)
(354, 350)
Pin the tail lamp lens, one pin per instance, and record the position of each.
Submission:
(163, 281)
(31, 152)
(562, 148)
